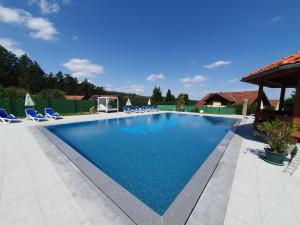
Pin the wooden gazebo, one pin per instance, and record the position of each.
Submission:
(282, 74)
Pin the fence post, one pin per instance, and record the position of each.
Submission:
(75, 106)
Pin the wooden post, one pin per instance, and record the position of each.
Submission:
(258, 103)
(281, 100)
(259, 97)
(245, 105)
(297, 100)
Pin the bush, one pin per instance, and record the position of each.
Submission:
(278, 134)
(194, 109)
(14, 92)
(2, 91)
(51, 93)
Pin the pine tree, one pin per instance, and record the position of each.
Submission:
(8, 74)
(170, 99)
(156, 98)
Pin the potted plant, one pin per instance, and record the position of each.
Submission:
(278, 136)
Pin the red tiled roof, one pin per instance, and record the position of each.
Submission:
(233, 97)
(291, 59)
(274, 102)
(109, 96)
(74, 97)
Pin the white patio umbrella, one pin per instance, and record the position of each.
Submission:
(128, 103)
(277, 107)
(28, 100)
(261, 105)
(149, 102)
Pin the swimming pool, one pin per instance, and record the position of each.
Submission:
(153, 156)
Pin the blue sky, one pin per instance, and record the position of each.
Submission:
(189, 46)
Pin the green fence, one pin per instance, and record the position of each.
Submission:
(187, 108)
(206, 109)
(167, 107)
(62, 106)
(217, 110)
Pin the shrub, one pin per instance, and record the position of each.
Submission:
(278, 134)
(52, 93)
(194, 109)
(14, 92)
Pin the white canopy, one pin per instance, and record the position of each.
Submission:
(149, 102)
(108, 103)
(28, 100)
(128, 103)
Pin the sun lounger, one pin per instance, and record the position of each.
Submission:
(126, 109)
(49, 113)
(7, 118)
(33, 115)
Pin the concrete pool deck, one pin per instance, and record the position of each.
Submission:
(44, 187)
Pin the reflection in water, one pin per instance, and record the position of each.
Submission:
(168, 115)
(149, 120)
(219, 120)
(157, 117)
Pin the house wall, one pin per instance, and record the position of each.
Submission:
(217, 101)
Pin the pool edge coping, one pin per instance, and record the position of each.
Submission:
(142, 214)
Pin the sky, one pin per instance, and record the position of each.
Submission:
(190, 46)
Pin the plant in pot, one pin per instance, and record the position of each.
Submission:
(278, 136)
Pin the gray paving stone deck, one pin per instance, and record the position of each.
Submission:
(39, 185)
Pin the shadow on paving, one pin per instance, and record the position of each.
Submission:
(246, 131)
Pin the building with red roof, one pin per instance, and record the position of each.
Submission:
(74, 97)
(231, 98)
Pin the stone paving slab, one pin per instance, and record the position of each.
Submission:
(34, 181)
(261, 194)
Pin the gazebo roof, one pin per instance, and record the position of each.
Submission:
(283, 72)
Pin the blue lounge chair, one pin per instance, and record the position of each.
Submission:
(144, 109)
(126, 109)
(49, 113)
(33, 115)
(7, 118)
(136, 109)
(154, 109)
(132, 109)
(148, 108)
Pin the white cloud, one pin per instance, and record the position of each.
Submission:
(46, 7)
(232, 80)
(194, 79)
(154, 77)
(187, 85)
(75, 37)
(83, 68)
(276, 19)
(11, 45)
(41, 28)
(11, 15)
(66, 2)
(137, 89)
(217, 64)
(107, 86)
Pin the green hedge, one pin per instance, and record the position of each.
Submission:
(62, 106)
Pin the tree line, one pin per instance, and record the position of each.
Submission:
(27, 75)
(19, 75)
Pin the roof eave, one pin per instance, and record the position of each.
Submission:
(265, 73)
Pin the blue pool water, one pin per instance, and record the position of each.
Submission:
(152, 156)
